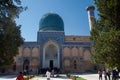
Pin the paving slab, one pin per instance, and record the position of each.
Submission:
(85, 76)
(44, 78)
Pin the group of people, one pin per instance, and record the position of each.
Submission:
(109, 74)
(48, 75)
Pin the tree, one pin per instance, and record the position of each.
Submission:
(10, 34)
(105, 33)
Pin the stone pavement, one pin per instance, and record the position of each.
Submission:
(90, 76)
(8, 77)
(44, 78)
(85, 76)
(93, 77)
(13, 77)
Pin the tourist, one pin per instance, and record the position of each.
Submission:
(53, 73)
(114, 74)
(105, 74)
(48, 74)
(108, 73)
(100, 74)
(20, 76)
(117, 74)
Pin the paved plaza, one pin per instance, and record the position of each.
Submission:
(85, 76)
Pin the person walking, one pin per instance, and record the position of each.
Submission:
(114, 74)
(100, 74)
(52, 73)
(20, 76)
(108, 73)
(48, 74)
(105, 74)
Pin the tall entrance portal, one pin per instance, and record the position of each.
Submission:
(51, 56)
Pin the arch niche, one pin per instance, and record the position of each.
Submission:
(51, 55)
(26, 64)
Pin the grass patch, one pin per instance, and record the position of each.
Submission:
(38, 76)
(26, 76)
(80, 79)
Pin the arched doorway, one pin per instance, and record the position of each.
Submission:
(26, 65)
(51, 56)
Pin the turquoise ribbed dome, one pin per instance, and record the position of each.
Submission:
(51, 22)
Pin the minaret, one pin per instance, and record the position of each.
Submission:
(90, 10)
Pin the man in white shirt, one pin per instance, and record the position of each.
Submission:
(48, 74)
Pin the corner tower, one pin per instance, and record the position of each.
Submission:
(90, 10)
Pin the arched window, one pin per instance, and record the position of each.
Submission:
(74, 51)
(35, 52)
(67, 64)
(26, 64)
(66, 52)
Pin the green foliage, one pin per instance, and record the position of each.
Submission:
(105, 33)
(10, 34)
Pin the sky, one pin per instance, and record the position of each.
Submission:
(73, 13)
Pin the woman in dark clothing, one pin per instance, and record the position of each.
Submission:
(108, 74)
(100, 74)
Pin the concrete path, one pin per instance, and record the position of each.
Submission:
(13, 77)
(8, 77)
(85, 76)
(93, 77)
(50, 79)
(90, 76)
